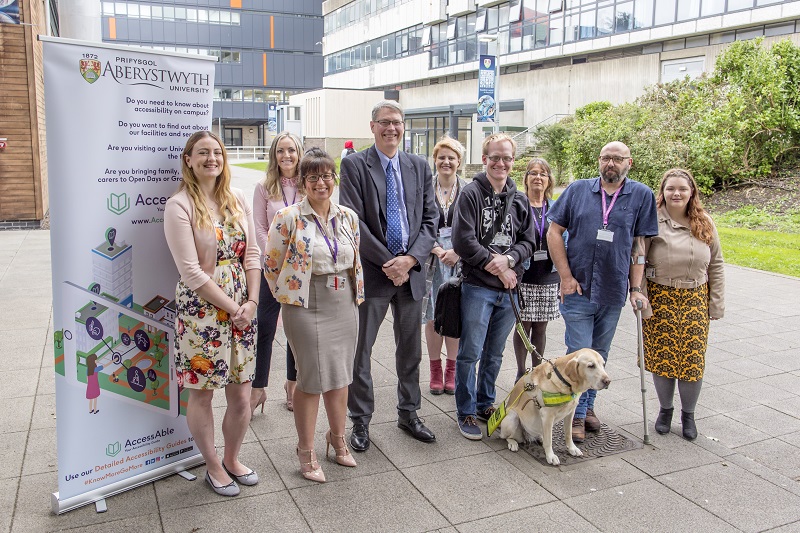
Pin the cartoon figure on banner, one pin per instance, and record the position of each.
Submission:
(92, 384)
(486, 107)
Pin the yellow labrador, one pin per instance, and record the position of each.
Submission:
(550, 393)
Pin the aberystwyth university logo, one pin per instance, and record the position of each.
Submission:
(90, 69)
(118, 203)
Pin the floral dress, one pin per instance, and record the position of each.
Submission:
(209, 351)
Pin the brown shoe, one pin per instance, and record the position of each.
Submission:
(578, 430)
(592, 422)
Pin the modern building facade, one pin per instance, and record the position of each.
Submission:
(23, 151)
(267, 50)
(554, 55)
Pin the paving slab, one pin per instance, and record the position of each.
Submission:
(767, 419)
(12, 453)
(553, 516)
(728, 431)
(776, 454)
(673, 454)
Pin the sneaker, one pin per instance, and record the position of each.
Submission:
(469, 428)
(578, 430)
(592, 422)
(484, 415)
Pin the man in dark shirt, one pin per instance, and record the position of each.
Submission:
(608, 218)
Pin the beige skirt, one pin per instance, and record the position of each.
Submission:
(323, 336)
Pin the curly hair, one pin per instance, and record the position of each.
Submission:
(700, 223)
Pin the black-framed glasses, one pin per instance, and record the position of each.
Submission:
(313, 178)
(387, 123)
(496, 158)
(616, 159)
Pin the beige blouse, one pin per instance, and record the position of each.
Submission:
(675, 258)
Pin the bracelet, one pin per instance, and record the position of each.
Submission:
(255, 302)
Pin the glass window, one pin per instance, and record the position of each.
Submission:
(180, 13)
(587, 27)
(191, 15)
(571, 26)
(736, 5)
(169, 13)
(480, 21)
(515, 12)
(492, 15)
(688, 9)
(385, 48)
(767, 2)
(157, 12)
(605, 20)
(120, 8)
(624, 17)
(504, 12)
(202, 15)
(555, 6)
(213, 16)
(461, 24)
(235, 19)
(665, 12)
(451, 29)
(225, 17)
(556, 30)
(470, 29)
(426, 36)
(144, 12)
(472, 49)
(133, 10)
(643, 13)
(108, 9)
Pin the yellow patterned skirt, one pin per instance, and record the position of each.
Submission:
(676, 336)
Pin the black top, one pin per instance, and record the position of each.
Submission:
(540, 272)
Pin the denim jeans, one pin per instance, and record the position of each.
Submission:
(588, 326)
(486, 321)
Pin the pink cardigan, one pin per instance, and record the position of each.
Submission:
(195, 250)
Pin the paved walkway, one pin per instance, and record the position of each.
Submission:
(741, 474)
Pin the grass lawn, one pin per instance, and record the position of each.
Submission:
(755, 238)
(257, 165)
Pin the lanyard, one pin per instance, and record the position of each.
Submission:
(607, 212)
(540, 229)
(446, 205)
(335, 248)
(294, 199)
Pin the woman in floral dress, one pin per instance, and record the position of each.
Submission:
(210, 232)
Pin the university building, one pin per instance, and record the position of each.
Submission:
(554, 56)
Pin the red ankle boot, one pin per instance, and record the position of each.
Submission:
(450, 377)
(436, 377)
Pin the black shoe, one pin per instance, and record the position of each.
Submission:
(359, 438)
(417, 429)
(485, 415)
(664, 420)
(689, 428)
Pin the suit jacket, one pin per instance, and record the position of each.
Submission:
(363, 189)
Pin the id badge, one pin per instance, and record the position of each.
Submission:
(605, 235)
(650, 272)
(540, 255)
(445, 233)
(502, 240)
(336, 282)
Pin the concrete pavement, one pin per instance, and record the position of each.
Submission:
(741, 474)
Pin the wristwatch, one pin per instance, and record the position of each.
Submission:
(635, 289)
(511, 261)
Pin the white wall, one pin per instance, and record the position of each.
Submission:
(336, 113)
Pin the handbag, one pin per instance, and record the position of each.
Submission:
(447, 312)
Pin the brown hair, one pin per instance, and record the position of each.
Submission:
(538, 161)
(316, 161)
(222, 189)
(91, 364)
(700, 222)
(272, 179)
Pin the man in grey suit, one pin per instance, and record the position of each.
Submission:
(392, 193)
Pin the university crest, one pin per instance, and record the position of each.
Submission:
(90, 69)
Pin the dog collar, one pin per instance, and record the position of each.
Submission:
(558, 374)
(554, 399)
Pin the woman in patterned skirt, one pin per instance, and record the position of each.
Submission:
(538, 288)
(210, 232)
(686, 287)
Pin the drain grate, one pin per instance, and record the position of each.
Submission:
(605, 442)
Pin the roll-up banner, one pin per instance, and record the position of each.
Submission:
(117, 120)
(487, 73)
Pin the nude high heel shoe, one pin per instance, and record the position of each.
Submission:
(309, 467)
(257, 397)
(343, 456)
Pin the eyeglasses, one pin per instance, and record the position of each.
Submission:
(313, 178)
(537, 174)
(496, 158)
(616, 159)
(387, 123)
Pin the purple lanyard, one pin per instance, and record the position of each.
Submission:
(607, 212)
(536, 223)
(294, 199)
(335, 248)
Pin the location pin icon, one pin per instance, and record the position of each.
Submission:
(111, 235)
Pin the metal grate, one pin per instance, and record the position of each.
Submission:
(605, 442)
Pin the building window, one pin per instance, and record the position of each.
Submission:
(233, 136)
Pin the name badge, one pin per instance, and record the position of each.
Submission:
(501, 239)
(540, 255)
(605, 235)
(336, 281)
(650, 272)
(445, 233)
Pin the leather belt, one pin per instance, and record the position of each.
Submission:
(677, 283)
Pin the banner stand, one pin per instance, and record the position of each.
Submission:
(178, 467)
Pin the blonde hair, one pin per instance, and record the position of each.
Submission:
(228, 204)
(497, 138)
(700, 222)
(451, 144)
(272, 179)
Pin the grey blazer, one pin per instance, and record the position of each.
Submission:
(363, 189)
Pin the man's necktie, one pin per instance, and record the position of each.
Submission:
(394, 232)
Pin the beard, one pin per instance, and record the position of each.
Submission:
(612, 176)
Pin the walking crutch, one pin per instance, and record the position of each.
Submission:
(640, 342)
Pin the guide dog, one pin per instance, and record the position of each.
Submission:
(549, 393)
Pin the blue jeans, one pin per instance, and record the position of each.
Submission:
(486, 321)
(588, 326)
